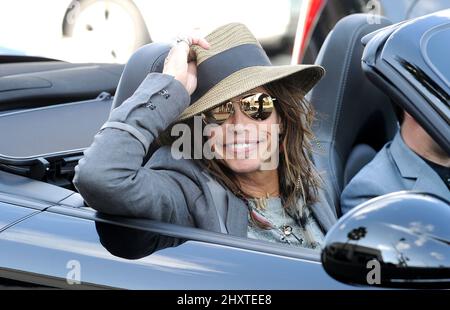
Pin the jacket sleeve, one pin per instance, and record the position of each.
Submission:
(110, 176)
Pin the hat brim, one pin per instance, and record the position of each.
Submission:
(249, 78)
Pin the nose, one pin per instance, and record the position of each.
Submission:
(240, 123)
(238, 116)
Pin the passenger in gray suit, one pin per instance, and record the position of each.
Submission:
(412, 161)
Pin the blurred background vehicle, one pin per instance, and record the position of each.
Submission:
(318, 17)
(111, 30)
(8, 51)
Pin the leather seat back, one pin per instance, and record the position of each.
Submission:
(354, 118)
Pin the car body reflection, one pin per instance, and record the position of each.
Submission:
(408, 236)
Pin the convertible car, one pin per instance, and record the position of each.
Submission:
(51, 110)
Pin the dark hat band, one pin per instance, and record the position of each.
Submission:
(218, 67)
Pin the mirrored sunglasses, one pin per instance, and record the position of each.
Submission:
(257, 106)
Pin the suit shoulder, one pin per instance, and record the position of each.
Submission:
(381, 168)
(378, 177)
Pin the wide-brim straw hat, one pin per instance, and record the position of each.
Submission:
(236, 63)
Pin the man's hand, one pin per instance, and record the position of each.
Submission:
(181, 64)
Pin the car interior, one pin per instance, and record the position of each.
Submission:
(354, 119)
(29, 82)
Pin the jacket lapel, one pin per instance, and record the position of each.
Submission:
(237, 216)
(236, 219)
(231, 211)
(428, 181)
(414, 170)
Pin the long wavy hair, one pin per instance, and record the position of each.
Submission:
(298, 179)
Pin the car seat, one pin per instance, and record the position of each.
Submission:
(149, 58)
(354, 118)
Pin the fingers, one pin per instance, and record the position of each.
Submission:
(188, 41)
(181, 60)
(200, 42)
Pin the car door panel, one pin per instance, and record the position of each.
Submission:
(51, 248)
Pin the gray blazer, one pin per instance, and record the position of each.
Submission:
(395, 168)
(111, 178)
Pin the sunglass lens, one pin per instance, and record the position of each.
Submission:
(258, 106)
(219, 114)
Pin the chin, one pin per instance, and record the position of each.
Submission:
(243, 165)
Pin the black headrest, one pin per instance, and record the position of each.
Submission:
(345, 99)
(148, 58)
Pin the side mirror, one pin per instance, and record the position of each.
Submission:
(397, 240)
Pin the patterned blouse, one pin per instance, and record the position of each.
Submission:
(283, 228)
